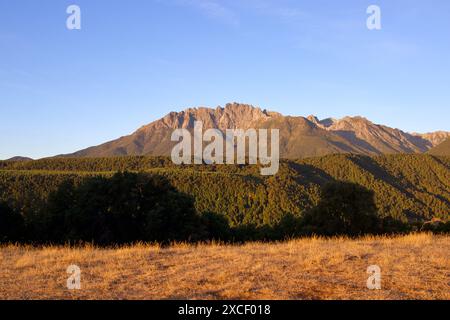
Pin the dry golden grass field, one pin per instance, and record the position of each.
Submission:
(413, 267)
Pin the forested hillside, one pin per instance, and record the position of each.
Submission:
(406, 187)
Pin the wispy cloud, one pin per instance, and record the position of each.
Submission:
(277, 9)
(229, 11)
(213, 9)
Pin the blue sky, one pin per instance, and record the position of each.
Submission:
(134, 61)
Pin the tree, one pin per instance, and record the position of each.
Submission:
(344, 209)
(125, 208)
(11, 224)
(217, 226)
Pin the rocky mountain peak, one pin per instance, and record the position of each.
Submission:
(313, 119)
(233, 115)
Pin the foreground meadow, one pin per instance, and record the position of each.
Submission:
(413, 267)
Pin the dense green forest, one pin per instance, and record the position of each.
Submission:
(406, 188)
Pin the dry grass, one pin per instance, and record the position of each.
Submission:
(413, 267)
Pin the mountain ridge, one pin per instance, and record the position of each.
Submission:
(300, 137)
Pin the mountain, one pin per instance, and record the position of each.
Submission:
(18, 158)
(299, 136)
(442, 149)
(374, 138)
(435, 138)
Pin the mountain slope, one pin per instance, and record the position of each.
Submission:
(436, 138)
(299, 137)
(441, 150)
(374, 138)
